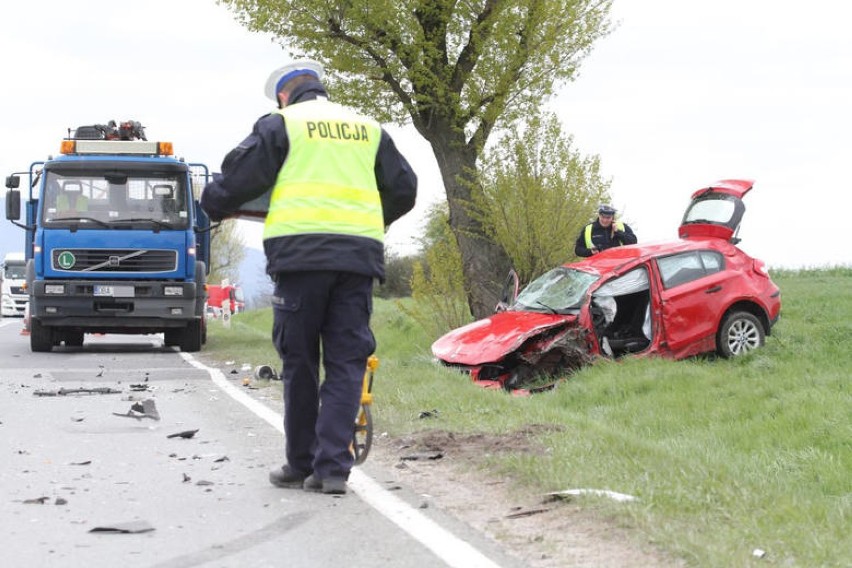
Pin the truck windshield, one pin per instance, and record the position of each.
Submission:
(93, 200)
(14, 271)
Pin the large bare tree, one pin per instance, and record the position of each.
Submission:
(456, 69)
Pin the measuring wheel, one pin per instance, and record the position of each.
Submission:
(362, 438)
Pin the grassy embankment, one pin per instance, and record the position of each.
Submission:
(725, 456)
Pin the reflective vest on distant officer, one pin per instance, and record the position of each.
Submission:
(619, 226)
(81, 204)
(327, 183)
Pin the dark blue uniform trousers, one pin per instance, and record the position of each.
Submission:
(324, 312)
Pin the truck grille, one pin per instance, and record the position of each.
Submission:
(113, 260)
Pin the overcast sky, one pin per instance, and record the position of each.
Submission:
(682, 94)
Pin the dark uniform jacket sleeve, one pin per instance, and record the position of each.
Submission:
(396, 181)
(249, 170)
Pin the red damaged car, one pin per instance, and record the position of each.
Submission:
(699, 294)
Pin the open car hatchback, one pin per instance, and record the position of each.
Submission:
(698, 294)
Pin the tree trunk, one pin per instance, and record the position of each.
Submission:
(484, 263)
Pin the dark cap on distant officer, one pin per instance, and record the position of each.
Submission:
(606, 209)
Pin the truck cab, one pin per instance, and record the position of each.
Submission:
(14, 299)
(115, 242)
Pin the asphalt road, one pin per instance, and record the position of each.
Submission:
(71, 466)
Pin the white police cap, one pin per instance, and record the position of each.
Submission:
(282, 75)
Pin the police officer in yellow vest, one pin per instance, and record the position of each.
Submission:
(70, 202)
(337, 181)
(603, 233)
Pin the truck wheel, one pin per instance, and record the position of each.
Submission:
(41, 337)
(739, 333)
(190, 340)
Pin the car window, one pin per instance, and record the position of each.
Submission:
(716, 209)
(680, 268)
(713, 261)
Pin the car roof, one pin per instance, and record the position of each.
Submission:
(616, 257)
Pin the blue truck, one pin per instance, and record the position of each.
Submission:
(116, 241)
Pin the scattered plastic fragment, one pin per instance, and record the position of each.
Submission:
(423, 456)
(36, 501)
(526, 513)
(87, 462)
(146, 409)
(265, 373)
(184, 434)
(132, 527)
(222, 459)
(81, 390)
(567, 493)
(758, 553)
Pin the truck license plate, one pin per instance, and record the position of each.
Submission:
(114, 291)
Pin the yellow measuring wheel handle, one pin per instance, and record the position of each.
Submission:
(372, 365)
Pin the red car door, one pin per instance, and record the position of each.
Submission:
(695, 287)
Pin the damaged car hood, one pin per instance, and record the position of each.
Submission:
(491, 339)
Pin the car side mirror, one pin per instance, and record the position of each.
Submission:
(12, 182)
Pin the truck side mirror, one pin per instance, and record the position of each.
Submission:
(12, 182)
(13, 204)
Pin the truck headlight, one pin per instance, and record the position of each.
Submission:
(173, 290)
(57, 289)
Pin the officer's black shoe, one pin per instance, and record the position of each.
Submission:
(329, 485)
(287, 477)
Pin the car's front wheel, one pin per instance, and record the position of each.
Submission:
(739, 333)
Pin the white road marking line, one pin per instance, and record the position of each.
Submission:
(456, 552)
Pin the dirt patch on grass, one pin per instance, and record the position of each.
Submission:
(448, 469)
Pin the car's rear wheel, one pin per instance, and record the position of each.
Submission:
(739, 333)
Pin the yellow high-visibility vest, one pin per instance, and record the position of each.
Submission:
(619, 226)
(328, 183)
(81, 204)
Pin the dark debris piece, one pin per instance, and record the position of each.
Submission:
(139, 410)
(429, 414)
(132, 527)
(423, 456)
(82, 390)
(36, 501)
(184, 434)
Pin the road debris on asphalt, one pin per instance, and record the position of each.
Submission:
(146, 409)
(131, 527)
(80, 390)
(185, 434)
(36, 501)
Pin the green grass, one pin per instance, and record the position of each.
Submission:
(725, 455)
